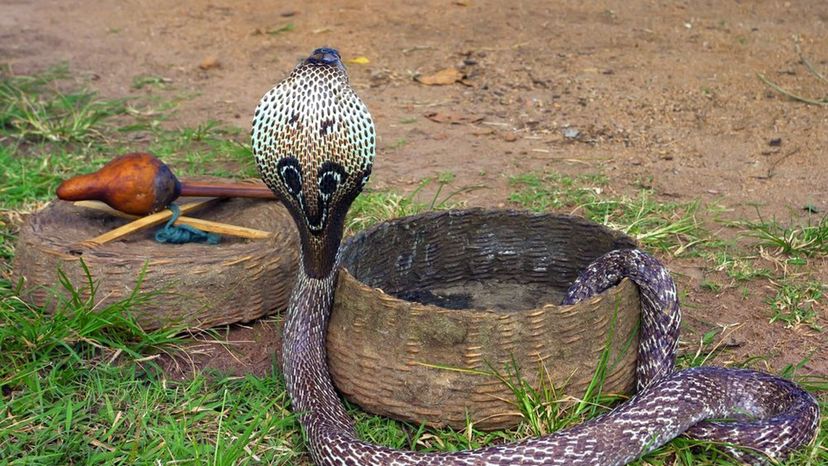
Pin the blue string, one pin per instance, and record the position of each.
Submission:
(180, 234)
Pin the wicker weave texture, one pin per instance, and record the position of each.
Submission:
(424, 363)
(194, 285)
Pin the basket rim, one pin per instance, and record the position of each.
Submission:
(377, 293)
(483, 211)
(120, 251)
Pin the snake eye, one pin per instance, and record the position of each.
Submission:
(328, 183)
(290, 174)
(331, 175)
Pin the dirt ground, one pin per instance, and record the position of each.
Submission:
(650, 93)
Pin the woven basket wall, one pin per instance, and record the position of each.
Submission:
(425, 363)
(197, 285)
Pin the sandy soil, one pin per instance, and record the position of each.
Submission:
(662, 94)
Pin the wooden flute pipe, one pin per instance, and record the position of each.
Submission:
(207, 189)
(141, 184)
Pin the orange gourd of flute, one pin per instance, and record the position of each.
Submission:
(141, 184)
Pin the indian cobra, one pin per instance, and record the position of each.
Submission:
(314, 143)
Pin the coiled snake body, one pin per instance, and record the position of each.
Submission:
(314, 144)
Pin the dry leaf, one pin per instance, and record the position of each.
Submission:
(359, 61)
(452, 118)
(209, 62)
(441, 78)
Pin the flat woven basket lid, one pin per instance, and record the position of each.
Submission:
(438, 313)
(194, 285)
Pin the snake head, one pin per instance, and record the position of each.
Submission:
(314, 144)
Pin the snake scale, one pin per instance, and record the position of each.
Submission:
(314, 144)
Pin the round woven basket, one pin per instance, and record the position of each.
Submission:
(437, 316)
(193, 285)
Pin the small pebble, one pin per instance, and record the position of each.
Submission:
(209, 63)
(509, 137)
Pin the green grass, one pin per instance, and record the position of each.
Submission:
(372, 207)
(32, 178)
(810, 239)
(208, 149)
(147, 80)
(78, 389)
(51, 133)
(36, 109)
(798, 293)
(7, 238)
(711, 286)
(79, 385)
(798, 303)
(737, 267)
(665, 226)
(545, 410)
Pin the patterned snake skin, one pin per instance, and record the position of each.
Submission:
(314, 143)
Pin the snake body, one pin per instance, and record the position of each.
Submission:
(314, 143)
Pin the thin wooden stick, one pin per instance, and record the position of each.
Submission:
(206, 225)
(141, 223)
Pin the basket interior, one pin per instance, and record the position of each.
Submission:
(478, 259)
